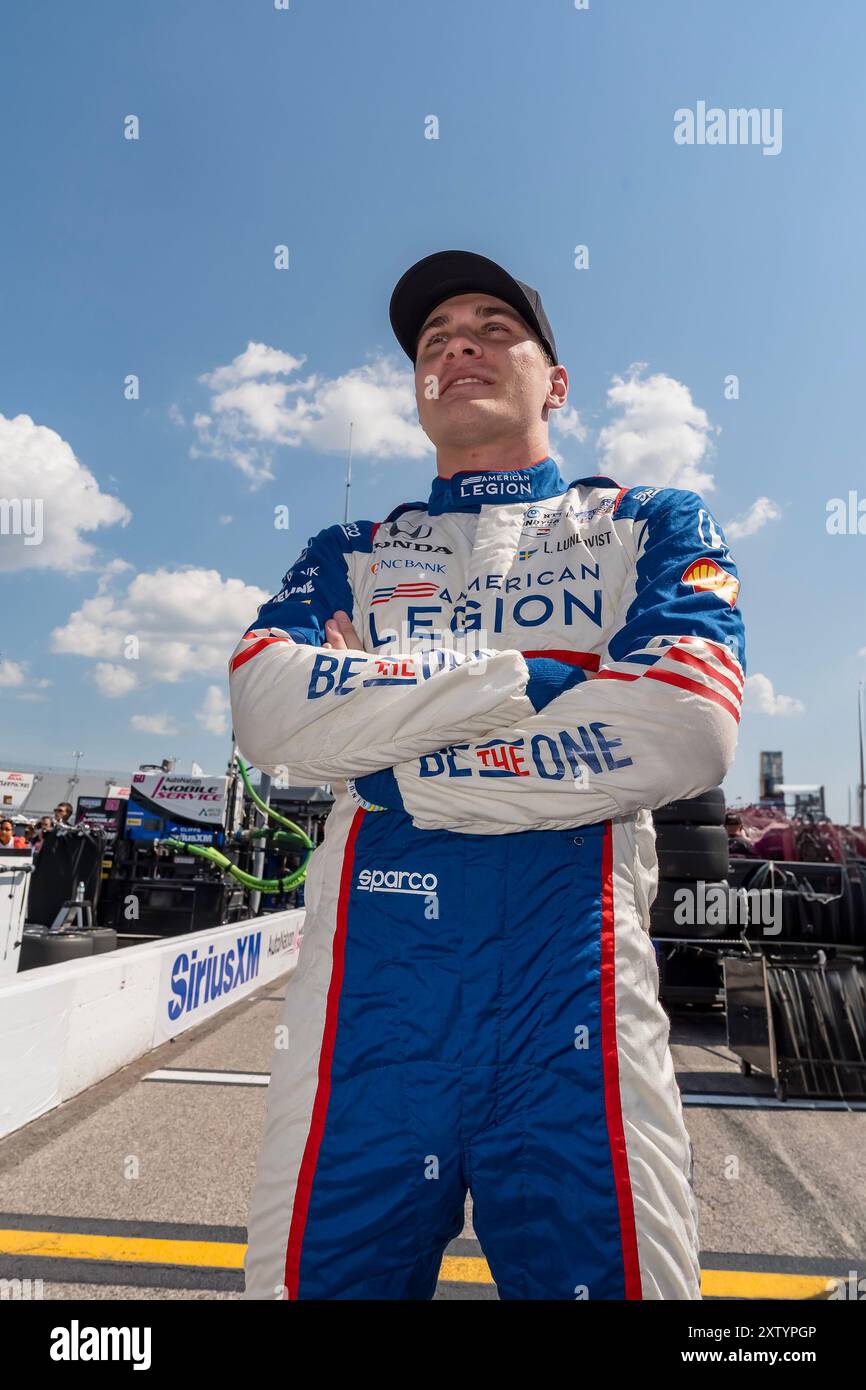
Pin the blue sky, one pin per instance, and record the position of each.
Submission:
(306, 128)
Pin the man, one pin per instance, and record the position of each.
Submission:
(63, 813)
(515, 671)
(46, 823)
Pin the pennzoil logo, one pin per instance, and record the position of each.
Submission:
(706, 574)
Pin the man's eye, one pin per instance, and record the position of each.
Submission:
(435, 337)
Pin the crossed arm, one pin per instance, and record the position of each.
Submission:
(493, 742)
(573, 751)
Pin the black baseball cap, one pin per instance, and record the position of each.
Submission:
(446, 273)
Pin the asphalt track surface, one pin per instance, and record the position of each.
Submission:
(138, 1188)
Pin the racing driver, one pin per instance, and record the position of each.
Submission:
(501, 682)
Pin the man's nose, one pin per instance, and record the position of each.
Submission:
(464, 349)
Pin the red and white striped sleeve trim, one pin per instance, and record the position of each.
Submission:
(696, 664)
(254, 642)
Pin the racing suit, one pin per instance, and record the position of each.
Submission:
(476, 1000)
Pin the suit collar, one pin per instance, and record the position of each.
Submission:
(470, 491)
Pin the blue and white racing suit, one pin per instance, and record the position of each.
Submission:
(476, 1001)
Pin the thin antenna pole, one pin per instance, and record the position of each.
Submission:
(348, 474)
(860, 732)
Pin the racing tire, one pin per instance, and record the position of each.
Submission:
(693, 852)
(104, 939)
(666, 907)
(41, 947)
(706, 809)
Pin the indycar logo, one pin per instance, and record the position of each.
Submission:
(540, 521)
(707, 575)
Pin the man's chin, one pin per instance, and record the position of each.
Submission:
(467, 426)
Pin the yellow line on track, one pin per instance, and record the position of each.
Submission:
(734, 1283)
(122, 1249)
(457, 1269)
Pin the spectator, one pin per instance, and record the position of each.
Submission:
(8, 839)
(45, 824)
(63, 813)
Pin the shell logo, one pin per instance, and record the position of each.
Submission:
(706, 574)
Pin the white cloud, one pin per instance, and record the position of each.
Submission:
(160, 724)
(254, 408)
(661, 437)
(761, 698)
(185, 623)
(114, 681)
(256, 360)
(567, 422)
(59, 500)
(12, 674)
(762, 510)
(213, 714)
(15, 676)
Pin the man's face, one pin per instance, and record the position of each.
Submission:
(5, 832)
(479, 337)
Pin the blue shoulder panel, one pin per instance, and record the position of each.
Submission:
(405, 507)
(317, 585)
(687, 583)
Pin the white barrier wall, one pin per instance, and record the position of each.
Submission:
(15, 869)
(65, 1027)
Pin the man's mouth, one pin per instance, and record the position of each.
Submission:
(463, 382)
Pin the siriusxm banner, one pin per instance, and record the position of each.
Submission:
(207, 971)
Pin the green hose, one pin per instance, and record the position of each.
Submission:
(259, 885)
(292, 834)
(274, 815)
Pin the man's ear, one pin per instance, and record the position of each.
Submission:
(558, 389)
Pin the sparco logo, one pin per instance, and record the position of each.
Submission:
(397, 881)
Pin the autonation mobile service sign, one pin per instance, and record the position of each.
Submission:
(204, 973)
